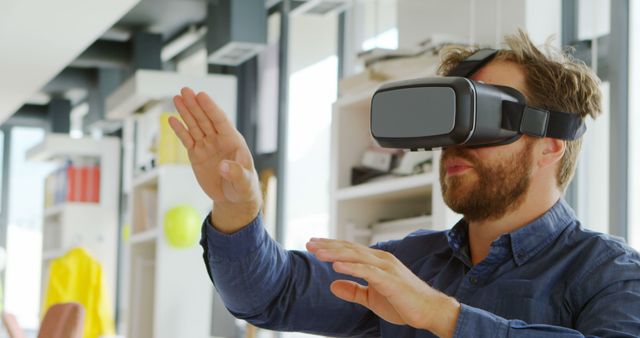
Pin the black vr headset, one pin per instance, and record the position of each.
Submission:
(438, 112)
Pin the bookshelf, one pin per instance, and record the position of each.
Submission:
(165, 291)
(90, 224)
(380, 209)
(170, 294)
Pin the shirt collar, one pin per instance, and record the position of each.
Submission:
(525, 241)
(458, 241)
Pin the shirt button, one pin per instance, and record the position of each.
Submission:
(521, 255)
(473, 280)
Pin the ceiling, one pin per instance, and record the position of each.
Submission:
(39, 39)
(166, 17)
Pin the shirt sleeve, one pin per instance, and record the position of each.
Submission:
(607, 300)
(277, 289)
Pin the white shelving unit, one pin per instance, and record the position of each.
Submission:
(354, 209)
(166, 291)
(147, 86)
(170, 294)
(94, 226)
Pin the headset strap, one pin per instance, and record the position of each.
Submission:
(472, 63)
(542, 123)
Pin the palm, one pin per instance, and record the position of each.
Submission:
(211, 139)
(205, 158)
(381, 306)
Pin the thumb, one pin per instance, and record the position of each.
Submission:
(351, 292)
(236, 174)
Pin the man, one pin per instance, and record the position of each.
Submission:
(518, 264)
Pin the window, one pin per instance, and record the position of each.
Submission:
(312, 91)
(313, 65)
(24, 231)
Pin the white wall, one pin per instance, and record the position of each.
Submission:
(312, 39)
(483, 22)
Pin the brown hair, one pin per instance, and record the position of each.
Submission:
(554, 80)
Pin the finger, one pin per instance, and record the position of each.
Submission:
(233, 172)
(181, 132)
(349, 255)
(372, 274)
(337, 250)
(351, 292)
(194, 129)
(189, 98)
(316, 244)
(216, 115)
(332, 243)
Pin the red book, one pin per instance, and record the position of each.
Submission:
(94, 183)
(84, 183)
(72, 183)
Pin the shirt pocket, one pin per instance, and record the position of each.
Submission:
(523, 300)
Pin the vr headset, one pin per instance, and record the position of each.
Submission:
(439, 112)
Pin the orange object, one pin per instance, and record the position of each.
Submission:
(65, 320)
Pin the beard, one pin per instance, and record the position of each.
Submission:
(499, 186)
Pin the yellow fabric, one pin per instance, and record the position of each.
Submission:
(77, 277)
(169, 148)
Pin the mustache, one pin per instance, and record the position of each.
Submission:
(458, 152)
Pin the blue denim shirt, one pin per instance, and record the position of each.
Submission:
(550, 278)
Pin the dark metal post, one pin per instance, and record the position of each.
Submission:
(283, 105)
(619, 119)
(569, 36)
(4, 202)
(59, 112)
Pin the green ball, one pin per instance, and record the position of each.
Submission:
(182, 226)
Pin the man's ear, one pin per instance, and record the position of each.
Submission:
(551, 151)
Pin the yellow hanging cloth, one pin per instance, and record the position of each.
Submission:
(77, 277)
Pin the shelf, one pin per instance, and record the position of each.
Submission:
(59, 146)
(144, 236)
(52, 254)
(358, 101)
(147, 179)
(146, 86)
(150, 178)
(391, 188)
(65, 207)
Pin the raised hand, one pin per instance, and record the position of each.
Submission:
(220, 159)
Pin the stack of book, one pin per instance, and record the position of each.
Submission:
(76, 181)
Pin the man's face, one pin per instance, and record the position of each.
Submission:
(486, 183)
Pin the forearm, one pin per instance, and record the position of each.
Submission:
(232, 217)
(236, 262)
(278, 289)
(441, 314)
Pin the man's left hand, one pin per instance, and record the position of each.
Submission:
(393, 292)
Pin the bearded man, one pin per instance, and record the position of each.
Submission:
(519, 264)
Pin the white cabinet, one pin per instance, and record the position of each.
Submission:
(170, 294)
(166, 292)
(91, 225)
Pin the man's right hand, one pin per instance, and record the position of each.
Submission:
(220, 159)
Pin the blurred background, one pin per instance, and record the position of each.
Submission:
(98, 204)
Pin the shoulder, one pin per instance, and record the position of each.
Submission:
(605, 260)
(598, 247)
